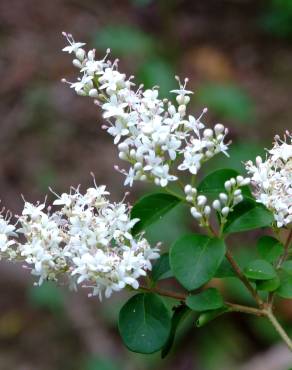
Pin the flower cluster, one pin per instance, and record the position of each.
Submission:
(150, 132)
(272, 179)
(86, 240)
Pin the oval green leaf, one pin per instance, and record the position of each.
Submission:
(144, 323)
(151, 208)
(269, 248)
(209, 299)
(268, 285)
(260, 270)
(248, 215)
(194, 259)
(285, 289)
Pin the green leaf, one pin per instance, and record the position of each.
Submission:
(269, 248)
(161, 268)
(209, 299)
(248, 215)
(180, 313)
(268, 285)
(225, 270)
(213, 184)
(208, 316)
(152, 207)
(124, 39)
(194, 259)
(144, 323)
(287, 267)
(228, 101)
(285, 289)
(260, 270)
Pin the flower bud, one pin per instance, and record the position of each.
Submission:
(123, 147)
(208, 133)
(80, 54)
(223, 197)
(239, 180)
(219, 129)
(76, 63)
(197, 215)
(227, 185)
(225, 211)
(93, 93)
(188, 189)
(189, 198)
(237, 192)
(181, 109)
(202, 200)
(216, 205)
(207, 211)
(232, 181)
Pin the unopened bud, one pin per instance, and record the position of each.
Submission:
(225, 211)
(216, 205)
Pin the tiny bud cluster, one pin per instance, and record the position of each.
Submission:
(150, 132)
(227, 201)
(200, 210)
(86, 240)
(272, 179)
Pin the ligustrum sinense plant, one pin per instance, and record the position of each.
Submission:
(83, 238)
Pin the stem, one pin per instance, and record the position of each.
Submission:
(245, 281)
(165, 293)
(286, 250)
(245, 309)
(279, 328)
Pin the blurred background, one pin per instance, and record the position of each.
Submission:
(238, 56)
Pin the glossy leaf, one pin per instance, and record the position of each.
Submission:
(144, 323)
(194, 259)
(269, 248)
(161, 268)
(268, 285)
(180, 313)
(248, 215)
(285, 289)
(260, 270)
(209, 299)
(151, 208)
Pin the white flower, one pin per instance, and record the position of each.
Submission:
(154, 131)
(272, 180)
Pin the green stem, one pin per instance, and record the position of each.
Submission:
(279, 328)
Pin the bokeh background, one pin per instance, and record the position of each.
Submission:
(238, 56)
